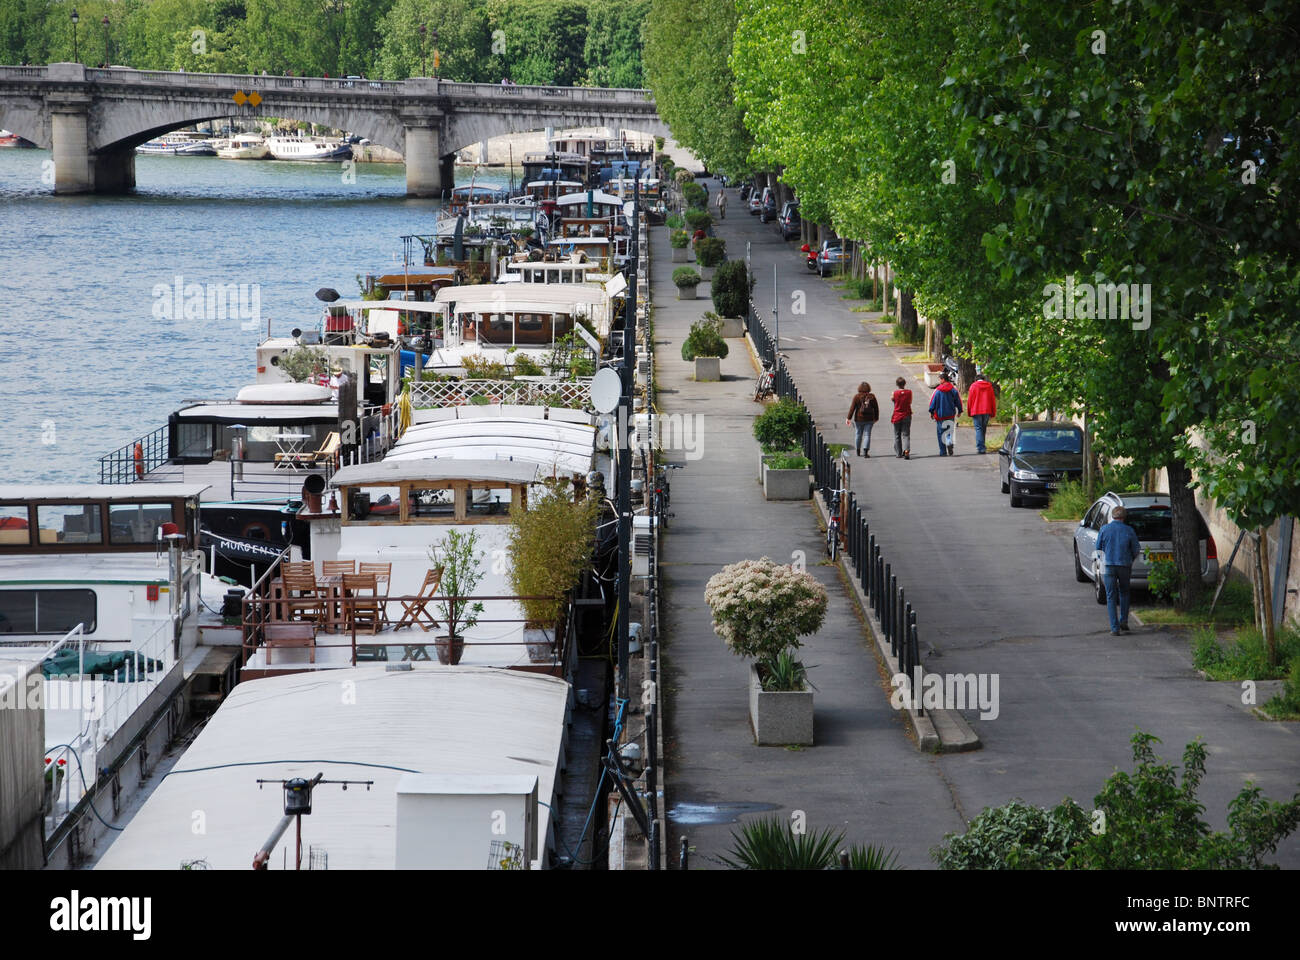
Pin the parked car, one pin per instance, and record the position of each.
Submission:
(745, 190)
(755, 202)
(767, 206)
(1037, 457)
(831, 258)
(1151, 516)
(788, 221)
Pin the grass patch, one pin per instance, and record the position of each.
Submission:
(916, 358)
(836, 448)
(1235, 609)
(993, 442)
(1244, 657)
(865, 308)
(1286, 705)
(1070, 502)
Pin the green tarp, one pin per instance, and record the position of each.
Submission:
(121, 667)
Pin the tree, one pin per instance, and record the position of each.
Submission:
(612, 53)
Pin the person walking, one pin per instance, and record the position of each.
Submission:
(864, 411)
(902, 420)
(945, 405)
(982, 405)
(722, 205)
(1119, 547)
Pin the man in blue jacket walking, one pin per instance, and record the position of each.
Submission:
(945, 405)
(1119, 546)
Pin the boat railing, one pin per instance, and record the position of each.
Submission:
(137, 459)
(535, 391)
(340, 629)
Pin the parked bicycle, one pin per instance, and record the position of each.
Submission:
(766, 386)
(662, 494)
(833, 532)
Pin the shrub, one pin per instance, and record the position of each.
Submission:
(304, 363)
(678, 239)
(675, 222)
(686, 277)
(1015, 836)
(1162, 578)
(788, 461)
(704, 339)
(526, 367)
(1285, 705)
(698, 220)
(694, 194)
(550, 546)
(1069, 502)
(731, 287)
(710, 251)
(682, 175)
(480, 368)
(781, 426)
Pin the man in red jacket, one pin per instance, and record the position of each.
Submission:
(981, 405)
(902, 420)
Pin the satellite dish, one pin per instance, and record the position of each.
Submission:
(606, 390)
(327, 295)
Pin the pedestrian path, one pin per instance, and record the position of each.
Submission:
(863, 775)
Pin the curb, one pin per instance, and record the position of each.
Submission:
(937, 731)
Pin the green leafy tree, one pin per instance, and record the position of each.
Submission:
(612, 51)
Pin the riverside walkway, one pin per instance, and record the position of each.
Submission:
(994, 592)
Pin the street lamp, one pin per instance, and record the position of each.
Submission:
(108, 57)
(76, 56)
(422, 31)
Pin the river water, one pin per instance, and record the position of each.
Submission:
(93, 355)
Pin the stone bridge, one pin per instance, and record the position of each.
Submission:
(93, 119)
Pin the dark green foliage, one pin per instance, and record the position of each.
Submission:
(710, 251)
(781, 426)
(730, 288)
(694, 194)
(698, 219)
(686, 277)
(704, 339)
(772, 844)
(1015, 836)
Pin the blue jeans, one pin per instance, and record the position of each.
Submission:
(1116, 580)
(981, 424)
(946, 430)
(863, 428)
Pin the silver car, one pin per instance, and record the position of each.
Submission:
(1151, 516)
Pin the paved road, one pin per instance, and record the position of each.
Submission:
(995, 593)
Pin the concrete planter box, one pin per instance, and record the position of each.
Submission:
(779, 718)
(732, 327)
(687, 293)
(708, 369)
(786, 484)
(706, 272)
(680, 255)
(932, 371)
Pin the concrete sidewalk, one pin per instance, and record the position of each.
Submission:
(863, 776)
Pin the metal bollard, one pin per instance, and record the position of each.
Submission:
(683, 859)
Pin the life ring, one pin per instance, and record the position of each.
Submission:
(255, 531)
(139, 462)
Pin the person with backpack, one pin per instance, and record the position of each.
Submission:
(945, 405)
(982, 406)
(902, 420)
(864, 411)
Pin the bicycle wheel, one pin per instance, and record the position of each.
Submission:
(835, 541)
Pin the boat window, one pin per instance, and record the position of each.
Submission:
(46, 611)
(71, 522)
(486, 500)
(194, 440)
(14, 526)
(136, 522)
(375, 504)
(431, 502)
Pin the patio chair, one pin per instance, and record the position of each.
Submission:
(324, 454)
(302, 598)
(339, 568)
(365, 611)
(416, 612)
(289, 635)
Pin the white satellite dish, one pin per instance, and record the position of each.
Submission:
(606, 390)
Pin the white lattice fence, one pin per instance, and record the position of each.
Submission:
(431, 394)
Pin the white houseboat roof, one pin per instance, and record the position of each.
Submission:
(99, 491)
(249, 413)
(459, 720)
(510, 298)
(83, 568)
(549, 444)
(390, 470)
(598, 198)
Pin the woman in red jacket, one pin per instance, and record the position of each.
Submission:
(902, 420)
(981, 405)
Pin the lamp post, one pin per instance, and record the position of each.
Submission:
(76, 55)
(108, 56)
(421, 30)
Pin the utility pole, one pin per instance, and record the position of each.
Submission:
(776, 320)
(624, 480)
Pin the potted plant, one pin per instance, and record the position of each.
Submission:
(304, 364)
(694, 194)
(730, 288)
(704, 345)
(697, 220)
(709, 252)
(686, 280)
(760, 610)
(783, 468)
(549, 547)
(678, 241)
(461, 575)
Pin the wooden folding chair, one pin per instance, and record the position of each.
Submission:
(339, 568)
(416, 612)
(364, 611)
(289, 635)
(302, 597)
(301, 568)
(383, 573)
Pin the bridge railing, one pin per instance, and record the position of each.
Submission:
(23, 73)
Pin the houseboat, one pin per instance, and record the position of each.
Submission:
(245, 146)
(315, 149)
(178, 145)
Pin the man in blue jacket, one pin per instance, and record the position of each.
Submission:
(945, 405)
(1119, 546)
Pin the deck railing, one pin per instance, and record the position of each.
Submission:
(135, 460)
(430, 394)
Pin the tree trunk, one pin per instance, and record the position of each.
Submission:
(885, 283)
(1187, 533)
(965, 373)
(1266, 598)
(942, 340)
(907, 325)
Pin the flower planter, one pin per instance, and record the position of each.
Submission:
(708, 369)
(706, 272)
(450, 649)
(680, 255)
(732, 327)
(541, 645)
(779, 718)
(932, 371)
(686, 293)
(786, 484)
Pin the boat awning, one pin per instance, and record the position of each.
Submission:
(495, 298)
(390, 470)
(250, 413)
(98, 491)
